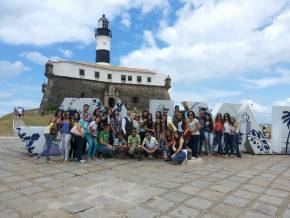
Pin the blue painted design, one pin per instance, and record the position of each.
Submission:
(28, 140)
(258, 139)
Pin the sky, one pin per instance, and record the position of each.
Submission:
(233, 51)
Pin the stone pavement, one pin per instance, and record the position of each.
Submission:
(254, 186)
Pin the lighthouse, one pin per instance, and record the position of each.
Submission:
(103, 41)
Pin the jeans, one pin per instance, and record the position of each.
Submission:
(218, 136)
(157, 153)
(208, 142)
(169, 152)
(193, 144)
(179, 157)
(92, 145)
(47, 146)
(65, 145)
(228, 138)
(79, 146)
(201, 139)
(72, 151)
(236, 139)
(105, 150)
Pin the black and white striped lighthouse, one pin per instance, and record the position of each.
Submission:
(103, 41)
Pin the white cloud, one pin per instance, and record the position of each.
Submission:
(37, 57)
(51, 21)
(282, 77)
(125, 19)
(285, 102)
(66, 52)
(258, 108)
(10, 70)
(216, 39)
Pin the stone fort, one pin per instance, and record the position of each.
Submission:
(135, 87)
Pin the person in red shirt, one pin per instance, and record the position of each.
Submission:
(218, 130)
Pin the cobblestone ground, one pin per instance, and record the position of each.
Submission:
(254, 186)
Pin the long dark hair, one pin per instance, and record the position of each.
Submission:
(219, 115)
(228, 116)
(183, 123)
(150, 121)
(191, 113)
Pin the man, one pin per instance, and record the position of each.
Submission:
(127, 125)
(134, 144)
(120, 145)
(105, 148)
(150, 145)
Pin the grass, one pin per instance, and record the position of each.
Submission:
(6, 125)
(34, 118)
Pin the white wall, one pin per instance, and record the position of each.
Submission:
(72, 70)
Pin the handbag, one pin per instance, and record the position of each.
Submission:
(76, 131)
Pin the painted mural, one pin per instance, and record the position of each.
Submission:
(281, 129)
(161, 105)
(33, 139)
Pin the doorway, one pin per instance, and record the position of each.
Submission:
(111, 102)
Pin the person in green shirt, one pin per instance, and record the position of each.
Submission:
(105, 148)
(134, 144)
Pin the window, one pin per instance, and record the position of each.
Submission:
(82, 72)
(135, 100)
(123, 78)
(97, 74)
(129, 78)
(149, 79)
(139, 79)
(109, 76)
(82, 94)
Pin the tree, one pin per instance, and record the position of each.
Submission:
(286, 119)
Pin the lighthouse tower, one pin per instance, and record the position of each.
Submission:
(103, 41)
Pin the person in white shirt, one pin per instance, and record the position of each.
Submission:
(193, 127)
(150, 145)
(127, 125)
(95, 127)
(227, 133)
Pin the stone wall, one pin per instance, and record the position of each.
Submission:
(59, 88)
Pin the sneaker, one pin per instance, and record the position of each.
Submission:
(139, 159)
(36, 161)
(49, 162)
(82, 161)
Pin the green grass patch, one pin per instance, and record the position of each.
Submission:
(6, 125)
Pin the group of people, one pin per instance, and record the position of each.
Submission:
(86, 136)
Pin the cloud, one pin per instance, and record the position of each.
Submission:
(282, 77)
(285, 102)
(36, 57)
(218, 39)
(66, 52)
(125, 19)
(10, 70)
(51, 21)
(258, 108)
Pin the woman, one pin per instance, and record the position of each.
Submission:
(48, 134)
(95, 127)
(84, 123)
(159, 132)
(96, 113)
(109, 116)
(116, 124)
(65, 128)
(227, 132)
(143, 124)
(168, 144)
(136, 123)
(158, 115)
(179, 148)
(208, 133)
(181, 124)
(193, 127)
(78, 134)
(218, 130)
(236, 136)
(57, 136)
(150, 123)
(72, 151)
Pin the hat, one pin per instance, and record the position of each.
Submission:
(149, 132)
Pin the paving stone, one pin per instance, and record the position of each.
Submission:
(78, 207)
(264, 208)
(277, 193)
(228, 211)
(10, 179)
(211, 195)
(271, 199)
(161, 205)
(54, 213)
(254, 188)
(141, 212)
(286, 213)
(8, 214)
(189, 189)
(222, 188)
(253, 214)
(198, 203)
(236, 201)
(183, 211)
(31, 190)
(177, 197)
(245, 194)
(9, 195)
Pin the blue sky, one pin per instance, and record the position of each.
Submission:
(215, 51)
